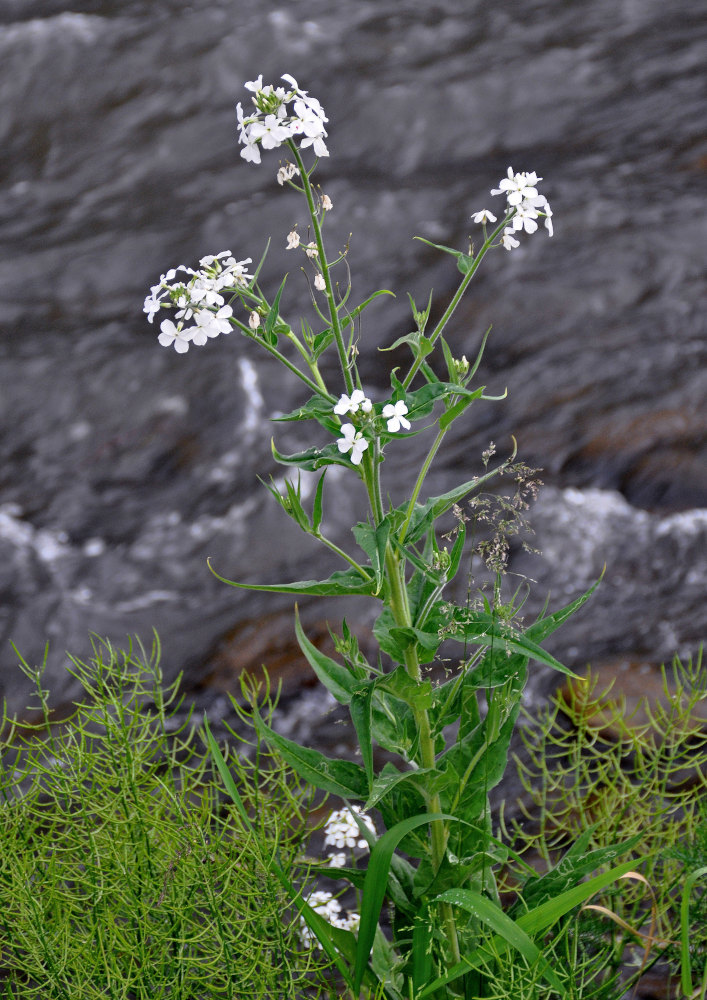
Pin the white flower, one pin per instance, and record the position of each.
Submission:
(341, 829)
(483, 216)
(525, 218)
(353, 441)
(337, 860)
(327, 203)
(254, 320)
(271, 132)
(396, 416)
(319, 282)
(293, 240)
(508, 240)
(326, 906)
(358, 400)
(311, 249)
(172, 334)
(273, 121)
(199, 300)
(518, 186)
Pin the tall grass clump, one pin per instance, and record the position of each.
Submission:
(122, 872)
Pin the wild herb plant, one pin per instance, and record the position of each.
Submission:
(122, 872)
(436, 862)
(594, 775)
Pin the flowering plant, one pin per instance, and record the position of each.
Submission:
(434, 864)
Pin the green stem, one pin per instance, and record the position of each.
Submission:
(434, 448)
(456, 298)
(324, 267)
(319, 387)
(400, 607)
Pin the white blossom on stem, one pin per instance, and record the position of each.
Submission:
(357, 400)
(319, 282)
(280, 115)
(395, 412)
(353, 441)
(200, 307)
(172, 335)
(484, 216)
(292, 240)
(523, 200)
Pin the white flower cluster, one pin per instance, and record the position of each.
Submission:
(352, 439)
(201, 310)
(326, 906)
(274, 122)
(523, 200)
(341, 829)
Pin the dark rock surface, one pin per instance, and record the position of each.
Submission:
(123, 466)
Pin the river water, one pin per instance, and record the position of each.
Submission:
(124, 465)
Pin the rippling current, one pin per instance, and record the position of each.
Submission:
(124, 465)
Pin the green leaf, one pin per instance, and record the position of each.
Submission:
(374, 542)
(314, 458)
(339, 584)
(317, 510)
(360, 709)
(351, 316)
(336, 678)
(546, 626)
(485, 630)
(316, 408)
(272, 316)
(575, 864)
(417, 694)
(389, 778)
(424, 515)
(453, 412)
(339, 777)
(535, 922)
(493, 916)
(374, 888)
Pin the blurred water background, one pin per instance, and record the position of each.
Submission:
(124, 465)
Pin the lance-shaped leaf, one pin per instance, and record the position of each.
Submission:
(351, 316)
(313, 458)
(484, 629)
(339, 777)
(424, 515)
(493, 916)
(361, 716)
(547, 625)
(339, 584)
(337, 679)
(318, 408)
(272, 316)
(374, 542)
(374, 887)
(534, 922)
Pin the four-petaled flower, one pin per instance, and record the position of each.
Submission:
(358, 400)
(395, 412)
(174, 335)
(353, 441)
(319, 282)
(484, 216)
(292, 240)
